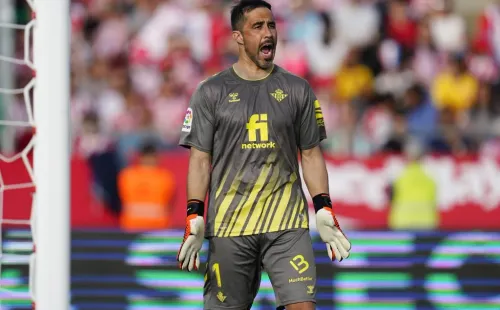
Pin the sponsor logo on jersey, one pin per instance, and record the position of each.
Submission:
(300, 279)
(279, 95)
(268, 145)
(234, 97)
(188, 121)
(258, 133)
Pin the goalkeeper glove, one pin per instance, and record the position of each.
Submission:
(189, 256)
(329, 230)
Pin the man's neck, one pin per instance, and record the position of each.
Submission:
(248, 70)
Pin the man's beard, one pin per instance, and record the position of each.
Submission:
(261, 63)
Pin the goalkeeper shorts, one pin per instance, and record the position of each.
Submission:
(234, 267)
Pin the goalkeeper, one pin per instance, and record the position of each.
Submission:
(245, 127)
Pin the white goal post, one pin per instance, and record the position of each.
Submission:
(51, 53)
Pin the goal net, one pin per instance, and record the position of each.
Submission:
(16, 170)
(34, 155)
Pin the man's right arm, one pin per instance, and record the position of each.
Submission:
(197, 186)
(198, 178)
(197, 134)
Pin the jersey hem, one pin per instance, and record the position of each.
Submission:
(251, 233)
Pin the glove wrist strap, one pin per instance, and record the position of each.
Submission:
(195, 206)
(321, 201)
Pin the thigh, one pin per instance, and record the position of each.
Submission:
(289, 260)
(232, 277)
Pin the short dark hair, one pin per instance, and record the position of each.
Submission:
(241, 8)
(91, 117)
(148, 147)
(418, 90)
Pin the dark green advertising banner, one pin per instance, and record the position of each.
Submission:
(387, 270)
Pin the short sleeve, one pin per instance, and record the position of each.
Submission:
(312, 125)
(198, 126)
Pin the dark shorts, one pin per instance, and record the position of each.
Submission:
(233, 273)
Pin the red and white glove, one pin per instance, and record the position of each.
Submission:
(329, 230)
(189, 252)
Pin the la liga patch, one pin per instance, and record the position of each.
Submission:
(188, 121)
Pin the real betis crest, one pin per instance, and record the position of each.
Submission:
(279, 95)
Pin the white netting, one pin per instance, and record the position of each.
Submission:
(16, 245)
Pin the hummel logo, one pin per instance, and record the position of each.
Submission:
(221, 296)
(310, 289)
(234, 97)
(279, 95)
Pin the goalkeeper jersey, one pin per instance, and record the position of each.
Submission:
(253, 131)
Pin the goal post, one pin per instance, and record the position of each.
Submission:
(51, 54)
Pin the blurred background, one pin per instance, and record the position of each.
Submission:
(411, 99)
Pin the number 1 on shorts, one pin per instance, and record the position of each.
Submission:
(216, 270)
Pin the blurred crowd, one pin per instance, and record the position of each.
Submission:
(383, 70)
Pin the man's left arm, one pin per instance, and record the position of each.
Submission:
(312, 131)
(314, 170)
(316, 179)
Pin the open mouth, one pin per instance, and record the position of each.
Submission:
(267, 50)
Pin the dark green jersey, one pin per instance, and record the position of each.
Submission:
(253, 130)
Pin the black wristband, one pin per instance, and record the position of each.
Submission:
(322, 200)
(195, 206)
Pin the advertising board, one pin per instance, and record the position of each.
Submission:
(387, 270)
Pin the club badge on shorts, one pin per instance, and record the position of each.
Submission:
(188, 121)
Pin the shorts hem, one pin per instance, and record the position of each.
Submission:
(296, 301)
(243, 307)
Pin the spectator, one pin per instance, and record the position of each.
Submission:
(218, 37)
(448, 138)
(110, 102)
(421, 114)
(491, 147)
(354, 81)
(325, 52)
(134, 111)
(134, 126)
(170, 108)
(146, 190)
(349, 29)
(400, 27)
(91, 140)
(181, 63)
(112, 36)
(483, 67)
(378, 122)
(425, 63)
(97, 77)
(455, 88)
(398, 137)
(414, 195)
(488, 31)
(484, 117)
(140, 14)
(396, 76)
(448, 28)
(98, 149)
(306, 22)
